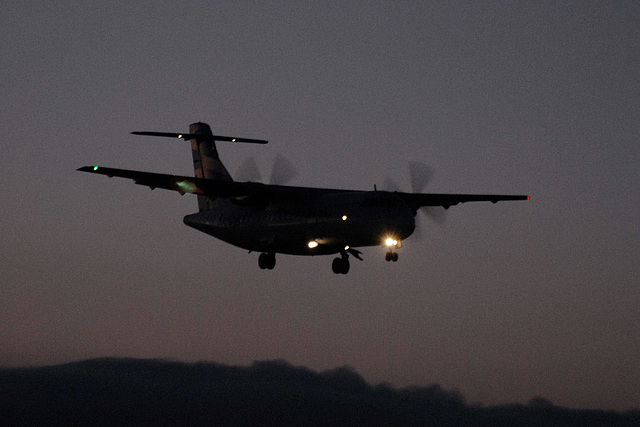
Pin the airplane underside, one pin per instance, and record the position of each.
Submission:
(292, 232)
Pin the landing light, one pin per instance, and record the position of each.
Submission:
(179, 136)
(313, 244)
(390, 242)
(344, 217)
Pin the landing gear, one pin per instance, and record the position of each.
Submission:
(391, 256)
(340, 265)
(392, 243)
(267, 261)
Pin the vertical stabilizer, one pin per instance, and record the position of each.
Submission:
(206, 162)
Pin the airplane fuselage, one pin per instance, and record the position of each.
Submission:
(333, 221)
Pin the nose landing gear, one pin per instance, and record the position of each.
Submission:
(391, 256)
(392, 243)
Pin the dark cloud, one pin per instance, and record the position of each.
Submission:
(156, 392)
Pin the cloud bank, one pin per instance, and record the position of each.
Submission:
(273, 393)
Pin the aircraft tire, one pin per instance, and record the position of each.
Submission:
(340, 266)
(345, 266)
(267, 261)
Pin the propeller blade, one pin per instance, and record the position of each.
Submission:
(435, 214)
(420, 175)
(283, 171)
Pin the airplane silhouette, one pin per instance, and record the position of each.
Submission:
(271, 219)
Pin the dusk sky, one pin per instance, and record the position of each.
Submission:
(502, 302)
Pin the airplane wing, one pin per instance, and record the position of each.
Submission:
(418, 200)
(181, 184)
(264, 194)
(251, 193)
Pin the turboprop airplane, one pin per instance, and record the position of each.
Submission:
(271, 219)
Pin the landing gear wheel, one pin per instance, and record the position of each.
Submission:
(267, 261)
(340, 265)
(391, 256)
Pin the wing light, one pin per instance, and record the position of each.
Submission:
(390, 241)
(312, 244)
(344, 217)
(187, 187)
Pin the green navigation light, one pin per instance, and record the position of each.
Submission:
(95, 168)
(187, 187)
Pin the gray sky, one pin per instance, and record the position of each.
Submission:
(503, 302)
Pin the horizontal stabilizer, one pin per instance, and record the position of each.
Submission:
(188, 136)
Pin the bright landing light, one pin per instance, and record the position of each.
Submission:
(390, 242)
(313, 244)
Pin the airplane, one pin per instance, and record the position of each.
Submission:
(271, 219)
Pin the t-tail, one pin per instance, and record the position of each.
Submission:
(206, 162)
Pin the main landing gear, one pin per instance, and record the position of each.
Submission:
(267, 260)
(341, 265)
(391, 256)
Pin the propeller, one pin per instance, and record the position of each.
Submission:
(282, 172)
(420, 175)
